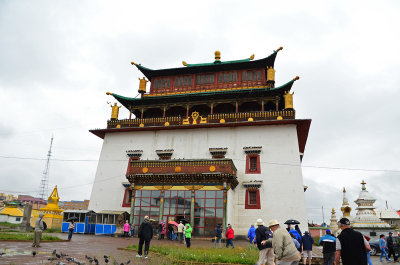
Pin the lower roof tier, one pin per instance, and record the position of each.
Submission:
(250, 93)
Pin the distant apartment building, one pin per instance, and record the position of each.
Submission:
(37, 203)
(74, 205)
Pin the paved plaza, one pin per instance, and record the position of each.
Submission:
(20, 253)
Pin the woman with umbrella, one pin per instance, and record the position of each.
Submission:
(71, 227)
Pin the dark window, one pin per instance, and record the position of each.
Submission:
(220, 78)
(234, 77)
(252, 197)
(253, 163)
(244, 76)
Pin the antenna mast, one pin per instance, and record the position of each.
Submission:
(44, 185)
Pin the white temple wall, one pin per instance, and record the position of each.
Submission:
(282, 195)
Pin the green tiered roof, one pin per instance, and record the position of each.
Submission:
(216, 66)
(200, 96)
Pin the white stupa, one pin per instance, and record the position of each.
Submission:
(366, 216)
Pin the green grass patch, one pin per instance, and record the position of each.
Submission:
(237, 255)
(10, 225)
(26, 237)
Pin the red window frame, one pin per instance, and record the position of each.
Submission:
(257, 205)
(250, 170)
(127, 198)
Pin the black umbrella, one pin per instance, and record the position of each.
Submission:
(185, 221)
(292, 222)
(73, 218)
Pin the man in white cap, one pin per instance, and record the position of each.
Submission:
(145, 235)
(285, 250)
(266, 251)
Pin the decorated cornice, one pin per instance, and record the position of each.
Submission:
(252, 149)
(134, 153)
(165, 154)
(254, 184)
(217, 152)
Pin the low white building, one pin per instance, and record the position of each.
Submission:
(11, 213)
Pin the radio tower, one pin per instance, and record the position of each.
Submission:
(45, 179)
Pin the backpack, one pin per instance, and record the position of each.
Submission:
(44, 225)
(268, 234)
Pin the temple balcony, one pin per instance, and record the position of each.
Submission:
(208, 119)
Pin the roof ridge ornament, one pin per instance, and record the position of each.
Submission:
(279, 49)
(296, 78)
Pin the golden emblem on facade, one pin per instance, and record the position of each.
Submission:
(145, 170)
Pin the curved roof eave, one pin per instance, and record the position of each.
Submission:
(204, 68)
(238, 93)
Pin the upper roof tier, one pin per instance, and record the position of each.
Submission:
(216, 66)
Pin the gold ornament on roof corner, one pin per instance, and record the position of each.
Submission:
(184, 63)
(115, 111)
(288, 100)
(217, 55)
(252, 57)
(142, 85)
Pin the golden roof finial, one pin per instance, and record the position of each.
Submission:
(109, 93)
(363, 185)
(217, 55)
(279, 49)
(296, 78)
(252, 57)
(184, 63)
(133, 63)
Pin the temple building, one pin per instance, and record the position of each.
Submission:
(211, 143)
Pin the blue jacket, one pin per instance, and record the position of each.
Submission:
(308, 241)
(251, 234)
(382, 243)
(328, 243)
(218, 231)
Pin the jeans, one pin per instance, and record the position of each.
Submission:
(132, 232)
(391, 251)
(369, 258)
(329, 258)
(217, 239)
(146, 247)
(384, 253)
(187, 242)
(70, 231)
(229, 242)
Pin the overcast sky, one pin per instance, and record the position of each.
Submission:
(59, 58)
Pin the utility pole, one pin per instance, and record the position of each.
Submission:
(44, 185)
(323, 216)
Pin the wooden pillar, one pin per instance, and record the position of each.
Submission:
(225, 203)
(262, 105)
(141, 113)
(277, 104)
(164, 112)
(212, 108)
(192, 210)
(237, 107)
(187, 111)
(130, 114)
(132, 203)
(161, 205)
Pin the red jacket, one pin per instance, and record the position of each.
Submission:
(229, 233)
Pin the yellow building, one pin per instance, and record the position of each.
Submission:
(11, 213)
(52, 212)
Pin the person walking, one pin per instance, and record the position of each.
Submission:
(188, 235)
(282, 243)
(308, 242)
(180, 231)
(251, 234)
(126, 229)
(163, 230)
(390, 245)
(266, 252)
(39, 227)
(368, 253)
(382, 246)
(230, 234)
(71, 228)
(145, 235)
(350, 246)
(175, 232)
(328, 242)
(132, 228)
(218, 236)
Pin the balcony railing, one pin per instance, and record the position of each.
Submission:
(211, 118)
